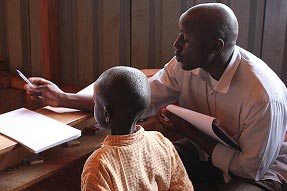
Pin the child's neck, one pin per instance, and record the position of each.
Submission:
(121, 129)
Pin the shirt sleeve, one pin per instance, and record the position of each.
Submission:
(95, 177)
(164, 88)
(261, 137)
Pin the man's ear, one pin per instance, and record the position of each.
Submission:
(217, 46)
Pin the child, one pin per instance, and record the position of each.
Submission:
(130, 158)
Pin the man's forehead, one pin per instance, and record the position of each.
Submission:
(186, 28)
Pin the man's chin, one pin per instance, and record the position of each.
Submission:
(185, 66)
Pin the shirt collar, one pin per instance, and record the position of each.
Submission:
(225, 80)
(123, 140)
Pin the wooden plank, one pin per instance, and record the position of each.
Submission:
(67, 40)
(6, 144)
(284, 67)
(98, 40)
(68, 116)
(155, 34)
(55, 159)
(125, 33)
(15, 155)
(242, 11)
(171, 11)
(110, 35)
(140, 33)
(50, 39)
(195, 2)
(13, 34)
(3, 39)
(275, 24)
(84, 42)
(35, 39)
(10, 99)
(25, 36)
(256, 23)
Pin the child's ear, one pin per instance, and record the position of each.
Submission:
(107, 114)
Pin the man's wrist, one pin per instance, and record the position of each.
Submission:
(62, 100)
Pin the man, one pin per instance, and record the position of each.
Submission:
(211, 75)
(130, 158)
(232, 85)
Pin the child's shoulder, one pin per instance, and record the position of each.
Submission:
(157, 136)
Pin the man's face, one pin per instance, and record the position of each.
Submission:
(191, 49)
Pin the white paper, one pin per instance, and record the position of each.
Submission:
(199, 120)
(204, 123)
(61, 109)
(89, 90)
(35, 131)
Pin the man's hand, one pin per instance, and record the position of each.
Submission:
(45, 91)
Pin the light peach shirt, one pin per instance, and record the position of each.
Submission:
(144, 160)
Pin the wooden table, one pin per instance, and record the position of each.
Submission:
(18, 176)
(15, 175)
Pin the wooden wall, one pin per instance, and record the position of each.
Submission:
(94, 35)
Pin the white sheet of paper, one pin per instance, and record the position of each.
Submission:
(61, 109)
(204, 123)
(35, 131)
(89, 90)
(199, 120)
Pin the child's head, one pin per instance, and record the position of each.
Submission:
(121, 94)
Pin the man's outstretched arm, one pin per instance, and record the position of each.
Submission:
(50, 94)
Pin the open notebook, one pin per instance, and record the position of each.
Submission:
(207, 124)
(35, 131)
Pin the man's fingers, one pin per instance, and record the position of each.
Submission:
(36, 98)
(38, 93)
(166, 113)
(161, 115)
(177, 121)
(39, 81)
(34, 91)
(169, 115)
(164, 119)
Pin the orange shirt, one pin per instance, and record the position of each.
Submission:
(144, 160)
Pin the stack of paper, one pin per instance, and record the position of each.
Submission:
(35, 131)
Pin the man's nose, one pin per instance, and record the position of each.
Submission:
(178, 42)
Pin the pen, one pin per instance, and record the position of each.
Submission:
(24, 78)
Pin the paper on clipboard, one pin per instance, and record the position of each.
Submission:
(205, 123)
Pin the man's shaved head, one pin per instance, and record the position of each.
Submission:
(214, 19)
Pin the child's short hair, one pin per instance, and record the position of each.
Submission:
(124, 87)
